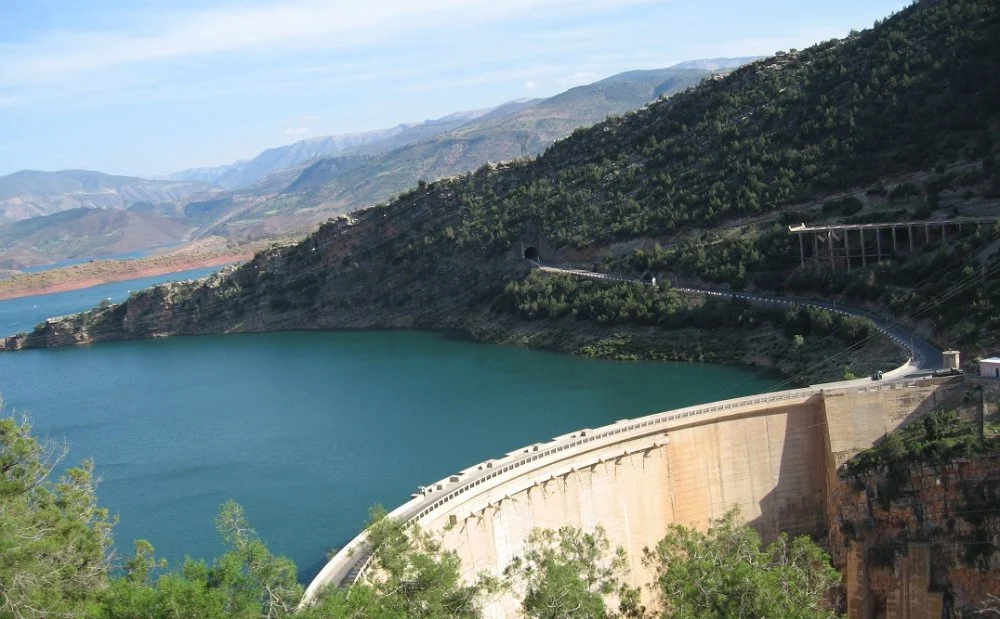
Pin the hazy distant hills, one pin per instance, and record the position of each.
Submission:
(85, 232)
(716, 64)
(291, 188)
(527, 131)
(243, 174)
(31, 194)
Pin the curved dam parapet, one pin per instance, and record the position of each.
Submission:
(772, 455)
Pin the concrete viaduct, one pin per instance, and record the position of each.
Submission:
(850, 245)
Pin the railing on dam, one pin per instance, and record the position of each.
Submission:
(349, 565)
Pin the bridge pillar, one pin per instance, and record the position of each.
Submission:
(895, 248)
(944, 234)
(802, 252)
(847, 248)
(927, 233)
(878, 243)
(910, 228)
(864, 254)
(829, 244)
(816, 248)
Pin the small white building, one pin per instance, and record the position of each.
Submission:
(990, 367)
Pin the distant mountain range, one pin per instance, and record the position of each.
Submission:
(243, 174)
(716, 64)
(291, 188)
(85, 233)
(526, 132)
(29, 193)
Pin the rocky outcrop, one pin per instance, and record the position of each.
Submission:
(933, 548)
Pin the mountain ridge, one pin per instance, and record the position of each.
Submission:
(30, 193)
(523, 133)
(777, 138)
(369, 142)
(715, 64)
(84, 232)
(243, 174)
(297, 198)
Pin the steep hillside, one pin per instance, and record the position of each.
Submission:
(84, 232)
(916, 91)
(523, 129)
(30, 194)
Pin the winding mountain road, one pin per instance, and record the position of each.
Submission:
(923, 354)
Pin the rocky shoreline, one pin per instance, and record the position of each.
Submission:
(365, 272)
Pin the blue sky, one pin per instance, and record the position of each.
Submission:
(149, 87)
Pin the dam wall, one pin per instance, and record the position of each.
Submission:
(774, 456)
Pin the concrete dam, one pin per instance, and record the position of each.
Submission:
(775, 456)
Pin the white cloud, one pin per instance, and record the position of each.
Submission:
(294, 24)
(297, 131)
(530, 85)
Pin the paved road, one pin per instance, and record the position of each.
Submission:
(925, 355)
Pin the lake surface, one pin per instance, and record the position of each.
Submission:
(24, 313)
(309, 429)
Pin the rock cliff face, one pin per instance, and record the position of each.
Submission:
(933, 549)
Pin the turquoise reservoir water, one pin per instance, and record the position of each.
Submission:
(308, 429)
(23, 314)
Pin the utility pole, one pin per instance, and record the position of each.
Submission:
(982, 413)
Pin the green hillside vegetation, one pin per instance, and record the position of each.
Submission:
(917, 90)
(698, 186)
(523, 133)
(803, 335)
(775, 135)
(55, 560)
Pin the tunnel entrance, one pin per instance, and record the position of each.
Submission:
(531, 253)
